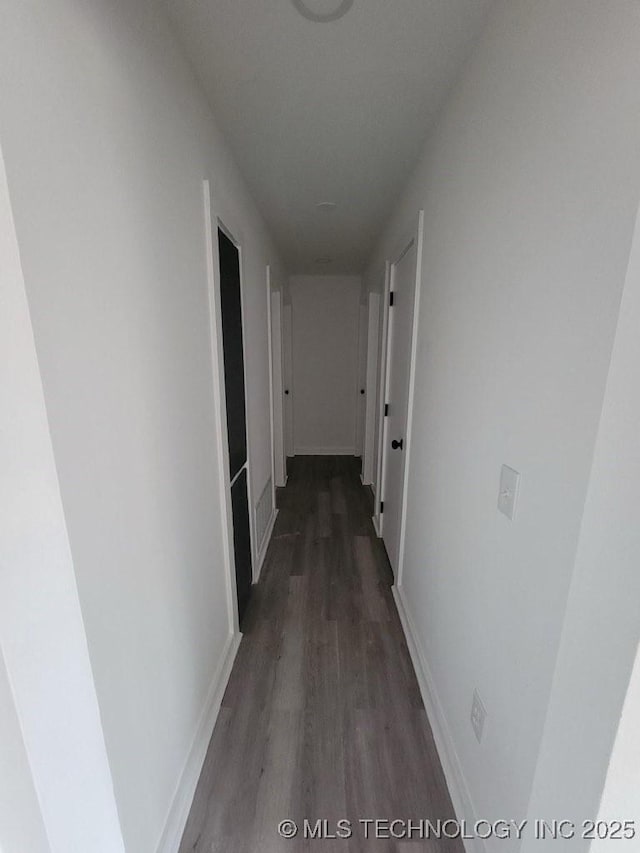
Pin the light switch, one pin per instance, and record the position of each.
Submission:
(508, 494)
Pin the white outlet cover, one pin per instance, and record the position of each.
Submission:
(508, 493)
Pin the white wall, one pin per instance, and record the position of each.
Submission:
(602, 624)
(325, 362)
(21, 824)
(51, 739)
(530, 186)
(621, 795)
(107, 139)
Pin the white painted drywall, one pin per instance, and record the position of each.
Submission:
(327, 112)
(107, 138)
(21, 825)
(530, 187)
(325, 362)
(602, 625)
(621, 797)
(50, 733)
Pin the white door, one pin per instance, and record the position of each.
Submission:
(362, 381)
(399, 359)
(277, 373)
(287, 354)
(371, 404)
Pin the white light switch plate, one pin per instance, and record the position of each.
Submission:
(508, 494)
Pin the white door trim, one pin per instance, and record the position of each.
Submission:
(419, 237)
(236, 239)
(415, 235)
(213, 221)
(382, 398)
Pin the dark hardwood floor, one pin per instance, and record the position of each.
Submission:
(322, 717)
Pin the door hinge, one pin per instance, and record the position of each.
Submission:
(391, 298)
(386, 410)
(381, 507)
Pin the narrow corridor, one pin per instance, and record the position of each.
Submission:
(322, 717)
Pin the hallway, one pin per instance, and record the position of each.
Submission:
(322, 717)
(239, 233)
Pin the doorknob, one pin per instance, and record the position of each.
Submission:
(287, 391)
(397, 445)
(362, 390)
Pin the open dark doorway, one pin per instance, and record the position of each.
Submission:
(232, 341)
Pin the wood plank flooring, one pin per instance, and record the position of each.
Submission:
(322, 717)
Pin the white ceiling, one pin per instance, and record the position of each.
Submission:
(333, 111)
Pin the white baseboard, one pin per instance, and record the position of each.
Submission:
(325, 451)
(458, 788)
(186, 788)
(262, 553)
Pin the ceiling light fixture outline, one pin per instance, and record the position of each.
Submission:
(317, 18)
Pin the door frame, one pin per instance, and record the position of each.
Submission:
(414, 232)
(214, 221)
(382, 395)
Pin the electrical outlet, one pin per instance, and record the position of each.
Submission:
(478, 716)
(508, 494)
